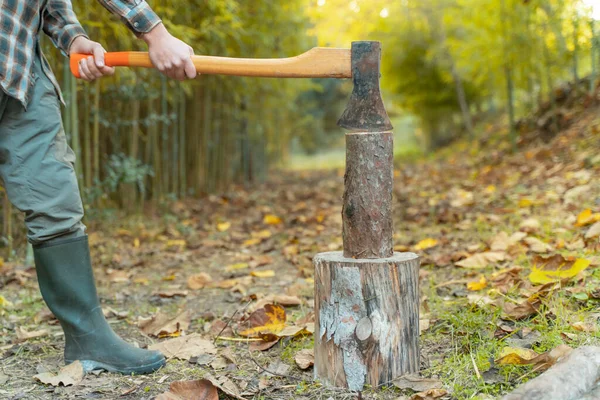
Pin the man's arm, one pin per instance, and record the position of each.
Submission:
(169, 55)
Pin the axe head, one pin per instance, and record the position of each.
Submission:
(365, 111)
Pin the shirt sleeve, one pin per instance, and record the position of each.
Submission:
(136, 14)
(61, 24)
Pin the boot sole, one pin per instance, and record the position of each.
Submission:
(90, 365)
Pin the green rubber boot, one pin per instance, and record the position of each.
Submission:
(66, 281)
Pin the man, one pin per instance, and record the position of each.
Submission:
(36, 164)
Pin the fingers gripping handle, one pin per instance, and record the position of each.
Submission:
(118, 59)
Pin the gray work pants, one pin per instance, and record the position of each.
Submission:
(36, 163)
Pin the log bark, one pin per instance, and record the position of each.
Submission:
(367, 312)
(367, 211)
(575, 377)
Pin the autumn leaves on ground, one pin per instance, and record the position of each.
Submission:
(223, 285)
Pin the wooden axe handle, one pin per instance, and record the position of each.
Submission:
(319, 62)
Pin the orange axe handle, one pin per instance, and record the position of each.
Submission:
(319, 62)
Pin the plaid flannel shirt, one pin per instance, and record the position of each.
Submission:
(21, 22)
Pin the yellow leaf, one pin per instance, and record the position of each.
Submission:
(490, 189)
(516, 356)
(236, 267)
(263, 274)
(475, 286)
(556, 268)
(426, 244)
(264, 234)
(169, 277)
(586, 217)
(251, 242)
(223, 226)
(136, 243)
(271, 219)
(269, 319)
(5, 303)
(524, 203)
(176, 243)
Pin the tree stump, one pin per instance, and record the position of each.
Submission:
(367, 311)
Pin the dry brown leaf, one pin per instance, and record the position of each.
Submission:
(199, 281)
(431, 394)
(589, 327)
(69, 375)
(305, 358)
(514, 356)
(262, 345)
(162, 325)
(520, 311)
(43, 315)
(502, 242)
(226, 385)
(424, 324)
(190, 390)
(281, 299)
(173, 293)
(537, 246)
(185, 347)
(23, 335)
(118, 276)
(482, 260)
(530, 225)
(594, 231)
(417, 383)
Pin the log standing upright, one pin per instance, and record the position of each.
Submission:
(366, 298)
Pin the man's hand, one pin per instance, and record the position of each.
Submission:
(90, 68)
(170, 55)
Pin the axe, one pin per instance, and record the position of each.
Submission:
(365, 111)
(366, 298)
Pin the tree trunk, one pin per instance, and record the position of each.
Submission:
(368, 317)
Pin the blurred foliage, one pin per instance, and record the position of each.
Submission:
(512, 52)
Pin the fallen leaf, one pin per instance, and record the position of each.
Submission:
(589, 327)
(173, 293)
(482, 260)
(594, 231)
(530, 225)
(431, 394)
(262, 345)
(515, 356)
(223, 226)
(426, 244)
(586, 217)
(271, 219)
(555, 268)
(251, 242)
(479, 299)
(198, 281)
(417, 383)
(69, 375)
(477, 285)
(281, 299)
(44, 315)
(23, 335)
(305, 358)
(118, 276)
(190, 390)
(5, 303)
(263, 274)
(269, 319)
(226, 385)
(237, 267)
(502, 242)
(537, 246)
(518, 356)
(520, 311)
(162, 325)
(185, 347)
(264, 234)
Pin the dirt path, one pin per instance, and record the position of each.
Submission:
(491, 212)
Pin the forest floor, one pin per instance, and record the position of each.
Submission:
(482, 220)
